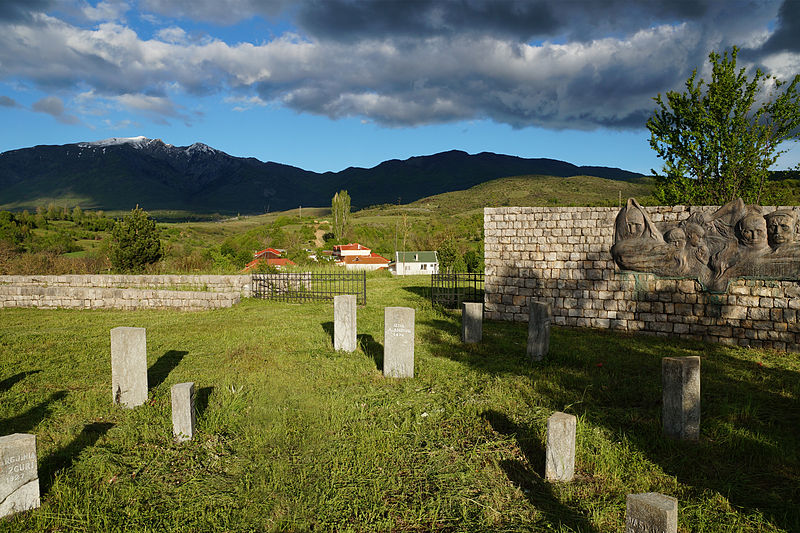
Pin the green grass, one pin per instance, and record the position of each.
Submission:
(293, 436)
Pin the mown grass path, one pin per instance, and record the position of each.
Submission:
(293, 436)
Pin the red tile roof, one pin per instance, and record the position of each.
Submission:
(279, 261)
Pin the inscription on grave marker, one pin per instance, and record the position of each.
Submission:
(19, 476)
(398, 350)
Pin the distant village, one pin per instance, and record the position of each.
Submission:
(355, 256)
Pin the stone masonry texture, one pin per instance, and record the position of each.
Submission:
(183, 292)
(560, 255)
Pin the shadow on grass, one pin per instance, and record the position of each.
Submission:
(372, 349)
(7, 383)
(424, 292)
(201, 399)
(748, 446)
(529, 477)
(157, 373)
(65, 457)
(28, 420)
(328, 327)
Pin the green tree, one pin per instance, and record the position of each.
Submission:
(135, 242)
(448, 255)
(340, 211)
(719, 139)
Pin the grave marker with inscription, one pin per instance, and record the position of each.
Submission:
(680, 377)
(183, 415)
(651, 512)
(129, 366)
(560, 455)
(471, 322)
(344, 322)
(19, 474)
(398, 342)
(538, 329)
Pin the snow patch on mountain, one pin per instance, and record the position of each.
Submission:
(137, 142)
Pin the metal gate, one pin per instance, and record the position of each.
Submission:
(449, 290)
(301, 287)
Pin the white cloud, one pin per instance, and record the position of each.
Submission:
(105, 11)
(438, 75)
(173, 34)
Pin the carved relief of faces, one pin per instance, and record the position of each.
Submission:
(676, 237)
(695, 234)
(635, 221)
(780, 228)
(702, 254)
(752, 231)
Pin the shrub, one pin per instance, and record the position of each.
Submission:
(135, 242)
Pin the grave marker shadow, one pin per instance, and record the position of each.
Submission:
(165, 364)
(9, 382)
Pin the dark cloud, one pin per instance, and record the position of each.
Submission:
(5, 101)
(524, 20)
(16, 10)
(217, 11)
(53, 106)
(787, 34)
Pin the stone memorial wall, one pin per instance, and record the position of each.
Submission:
(562, 256)
(183, 292)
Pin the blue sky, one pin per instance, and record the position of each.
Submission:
(324, 85)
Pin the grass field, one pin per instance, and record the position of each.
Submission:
(293, 436)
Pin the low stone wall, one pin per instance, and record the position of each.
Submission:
(186, 292)
(561, 256)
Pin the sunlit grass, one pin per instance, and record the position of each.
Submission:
(293, 436)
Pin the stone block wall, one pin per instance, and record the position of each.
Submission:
(561, 255)
(182, 292)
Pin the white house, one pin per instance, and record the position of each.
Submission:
(411, 263)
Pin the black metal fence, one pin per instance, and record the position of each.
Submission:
(449, 290)
(300, 287)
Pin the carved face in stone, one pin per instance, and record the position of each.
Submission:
(635, 221)
(780, 228)
(752, 232)
(695, 234)
(676, 237)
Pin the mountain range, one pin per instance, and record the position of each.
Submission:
(118, 173)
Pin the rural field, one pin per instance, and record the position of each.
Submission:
(293, 436)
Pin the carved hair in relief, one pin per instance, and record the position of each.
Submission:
(735, 241)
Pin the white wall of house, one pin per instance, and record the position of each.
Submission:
(411, 269)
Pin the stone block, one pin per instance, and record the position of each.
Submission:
(539, 329)
(651, 512)
(183, 412)
(471, 322)
(398, 338)
(129, 366)
(344, 322)
(19, 474)
(560, 454)
(680, 378)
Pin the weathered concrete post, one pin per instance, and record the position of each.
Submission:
(183, 414)
(19, 474)
(129, 366)
(398, 342)
(560, 454)
(471, 322)
(680, 378)
(344, 322)
(538, 329)
(651, 513)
